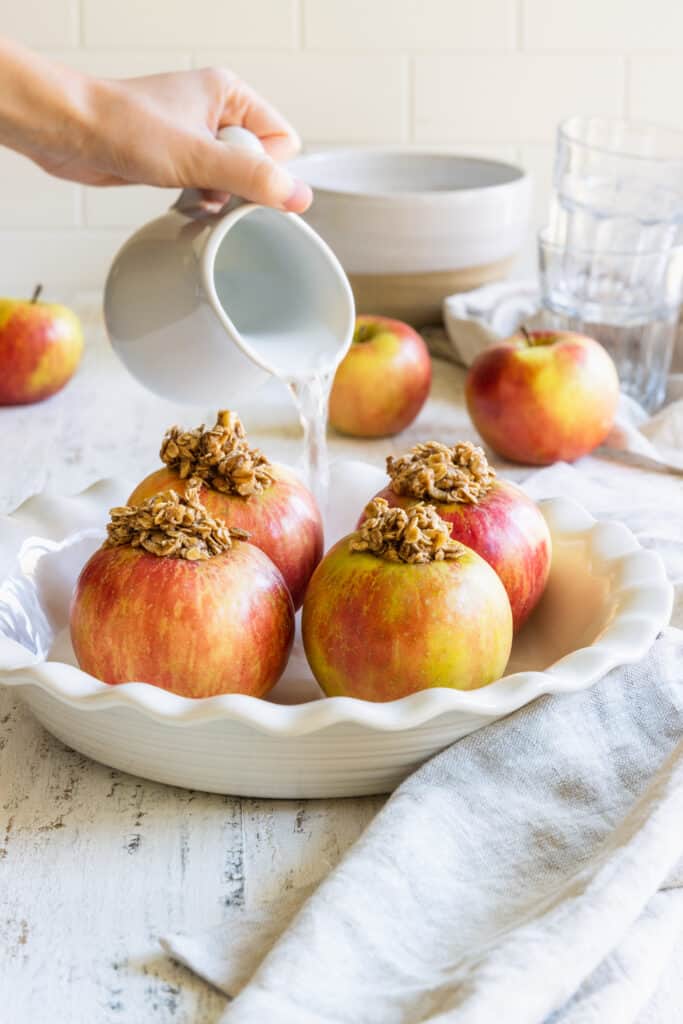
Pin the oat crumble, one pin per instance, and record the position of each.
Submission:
(219, 456)
(171, 526)
(460, 473)
(413, 535)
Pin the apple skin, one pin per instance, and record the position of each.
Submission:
(224, 625)
(553, 397)
(382, 382)
(507, 529)
(283, 520)
(381, 630)
(40, 348)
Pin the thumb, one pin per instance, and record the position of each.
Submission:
(253, 176)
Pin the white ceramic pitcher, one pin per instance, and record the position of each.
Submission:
(202, 308)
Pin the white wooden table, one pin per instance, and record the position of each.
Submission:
(95, 864)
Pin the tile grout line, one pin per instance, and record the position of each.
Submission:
(519, 26)
(480, 53)
(80, 23)
(300, 24)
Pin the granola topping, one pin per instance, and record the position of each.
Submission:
(416, 534)
(171, 526)
(219, 456)
(435, 471)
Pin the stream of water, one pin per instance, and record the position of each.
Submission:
(311, 394)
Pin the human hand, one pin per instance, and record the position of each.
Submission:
(157, 130)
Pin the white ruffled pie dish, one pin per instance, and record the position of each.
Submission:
(606, 600)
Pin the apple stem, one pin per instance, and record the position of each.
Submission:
(36, 292)
(365, 332)
(525, 334)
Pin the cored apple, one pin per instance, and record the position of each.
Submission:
(543, 396)
(383, 381)
(206, 619)
(399, 606)
(40, 347)
(492, 516)
(279, 513)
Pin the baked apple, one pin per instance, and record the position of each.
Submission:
(237, 483)
(399, 606)
(179, 600)
(492, 516)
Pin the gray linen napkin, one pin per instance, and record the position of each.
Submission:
(513, 877)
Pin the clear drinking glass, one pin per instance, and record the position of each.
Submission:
(618, 185)
(629, 300)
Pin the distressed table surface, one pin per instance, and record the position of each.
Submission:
(95, 864)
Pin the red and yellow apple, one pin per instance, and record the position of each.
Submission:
(197, 628)
(507, 529)
(40, 347)
(380, 630)
(543, 396)
(283, 520)
(383, 381)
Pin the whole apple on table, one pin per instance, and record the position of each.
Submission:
(40, 348)
(383, 381)
(543, 396)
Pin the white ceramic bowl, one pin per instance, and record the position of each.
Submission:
(410, 227)
(606, 600)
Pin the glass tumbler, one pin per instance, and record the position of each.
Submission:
(629, 300)
(618, 185)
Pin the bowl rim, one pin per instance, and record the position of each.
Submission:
(643, 604)
(520, 177)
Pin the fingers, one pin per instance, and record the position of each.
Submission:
(253, 176)
(214, 197)
(245, 107)
(281, 147)
(256, 177)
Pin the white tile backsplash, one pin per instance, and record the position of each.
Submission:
(410, 25)
(173, 23)
(41, 23)
(125, 207)
(66, 262)
(490, 77)
(30, 198)
(656, 88)
(514, 96)
(124, 63)
(537, 158)
(345, 97)
(602, 26)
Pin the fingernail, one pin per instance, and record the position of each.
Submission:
(300, 198)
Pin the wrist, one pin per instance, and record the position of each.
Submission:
(43, 106)
(90, 100)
